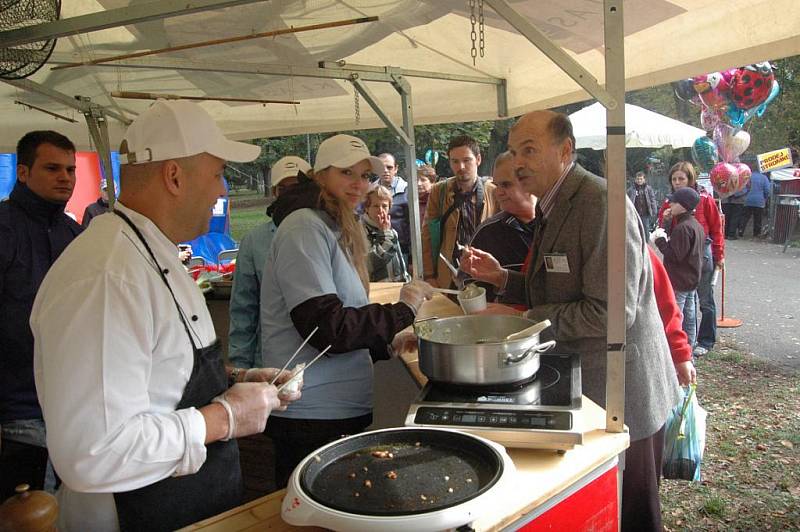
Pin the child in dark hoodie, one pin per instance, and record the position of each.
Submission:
(683, 254)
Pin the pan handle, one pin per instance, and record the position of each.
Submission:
(538, 348)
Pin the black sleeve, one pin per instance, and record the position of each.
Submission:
(370, 327)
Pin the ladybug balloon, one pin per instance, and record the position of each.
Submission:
(751, 85)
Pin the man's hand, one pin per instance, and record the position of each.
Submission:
(268, 374)
(497, 308)
(686, 373)
(482, 266)
(248, 404)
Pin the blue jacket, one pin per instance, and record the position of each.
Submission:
(759, 190)
(33, 233)
(244, 337)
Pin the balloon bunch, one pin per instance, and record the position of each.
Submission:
(728, 100)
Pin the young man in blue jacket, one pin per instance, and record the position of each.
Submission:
(34, 230)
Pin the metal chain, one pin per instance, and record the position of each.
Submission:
(357, 104)
(481, 40)
(474, 36)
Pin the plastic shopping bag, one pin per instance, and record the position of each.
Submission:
(685, 439)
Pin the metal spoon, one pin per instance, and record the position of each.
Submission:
(452, 269)
(536, 328)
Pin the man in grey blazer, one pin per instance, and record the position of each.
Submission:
(566, 283)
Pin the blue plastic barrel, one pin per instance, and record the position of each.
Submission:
(8, 173)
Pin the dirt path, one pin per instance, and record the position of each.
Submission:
(763, 289)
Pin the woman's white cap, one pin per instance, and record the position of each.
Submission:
(343, 151)
(288, 166)
(171, 129)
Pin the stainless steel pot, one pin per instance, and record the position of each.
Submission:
(470, 350)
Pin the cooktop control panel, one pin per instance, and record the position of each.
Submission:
(494, 418)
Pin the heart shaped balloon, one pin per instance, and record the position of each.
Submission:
(744, 175)
(730, 143)
(724, 179)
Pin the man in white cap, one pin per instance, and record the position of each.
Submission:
(244, 338)
(142, 413)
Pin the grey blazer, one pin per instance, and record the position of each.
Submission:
(575, 302)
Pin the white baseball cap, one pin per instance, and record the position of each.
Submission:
(343, 151)
(171, 129)
(288, 166)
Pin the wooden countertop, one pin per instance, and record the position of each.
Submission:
(541, 474)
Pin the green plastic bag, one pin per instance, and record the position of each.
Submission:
(685, 439)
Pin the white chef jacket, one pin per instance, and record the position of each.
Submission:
(111, 360)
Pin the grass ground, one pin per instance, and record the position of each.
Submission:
(751, 467)
(243, 219)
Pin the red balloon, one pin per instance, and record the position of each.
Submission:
(724, 179)
(744, 175)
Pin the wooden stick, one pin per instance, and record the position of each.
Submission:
(274, 33)
(157, 96)
(305, 368)
(45, 111)
(293, 355)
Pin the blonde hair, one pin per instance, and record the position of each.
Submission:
(382, 194)
(353, 239)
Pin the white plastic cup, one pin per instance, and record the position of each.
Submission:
(472, 305)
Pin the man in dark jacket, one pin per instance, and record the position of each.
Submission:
(683, 254)
(98, 207)
(644, 200)
(33, 232)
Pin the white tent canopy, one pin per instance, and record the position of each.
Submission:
(643, 129)
(664, 40)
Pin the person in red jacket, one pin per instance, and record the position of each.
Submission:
(671, 317)
(683, 174)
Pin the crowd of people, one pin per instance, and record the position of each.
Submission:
(118, 337)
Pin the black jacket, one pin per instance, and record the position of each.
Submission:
(33, 233)
(95, 209)
(683, 253)
(370, 327)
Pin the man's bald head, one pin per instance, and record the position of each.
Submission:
(542, 144)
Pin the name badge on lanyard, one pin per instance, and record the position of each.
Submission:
(556, 263)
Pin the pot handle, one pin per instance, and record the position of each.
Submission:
(538, 348)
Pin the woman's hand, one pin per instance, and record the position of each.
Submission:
(403, 342)
(384, 221)
(482, 266)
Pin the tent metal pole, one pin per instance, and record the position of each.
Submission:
(404, 88)
(75, 103)
(616, 212)
(406, 136)
(572, 68)
(98, 129)
(123, 16)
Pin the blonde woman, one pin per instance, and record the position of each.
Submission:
(316, 276)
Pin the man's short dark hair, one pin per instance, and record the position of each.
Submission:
(30, 142)
(464, 140)
(560, 128)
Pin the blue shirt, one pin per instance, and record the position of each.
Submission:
(759, 190)
(244, 338)
(306, 261)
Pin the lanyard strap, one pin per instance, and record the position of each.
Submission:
(160, 273)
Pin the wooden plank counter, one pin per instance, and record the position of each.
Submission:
(544, 478)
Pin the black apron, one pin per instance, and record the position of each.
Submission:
(175, 502)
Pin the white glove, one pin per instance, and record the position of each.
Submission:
(402, 342)
(248, 405)
(657, 233)
(415, 293)
(288, 393)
